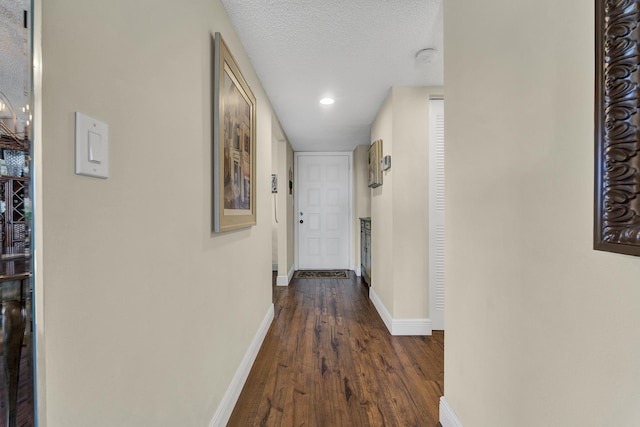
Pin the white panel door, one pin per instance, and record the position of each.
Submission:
(436, 213)
(323, 211)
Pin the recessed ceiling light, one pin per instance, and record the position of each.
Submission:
(327, 101)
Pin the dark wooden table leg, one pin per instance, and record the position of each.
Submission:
(13, 324)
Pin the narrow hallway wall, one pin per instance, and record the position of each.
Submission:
(147, 313)
(541, 329)
(399, 211)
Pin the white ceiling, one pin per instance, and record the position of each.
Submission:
(350, 50)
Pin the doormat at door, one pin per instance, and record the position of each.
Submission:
(321, 274)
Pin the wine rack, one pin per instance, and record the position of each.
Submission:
(15, 204)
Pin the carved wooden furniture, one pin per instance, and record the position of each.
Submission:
(365, 249)
(617, 127)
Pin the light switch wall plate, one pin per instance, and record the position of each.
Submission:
(92, 147)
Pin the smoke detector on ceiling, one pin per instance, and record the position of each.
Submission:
(425, 56)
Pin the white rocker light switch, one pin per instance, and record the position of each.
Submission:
(92, 147)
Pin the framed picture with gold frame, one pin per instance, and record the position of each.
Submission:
(375, 169)
(234, 143)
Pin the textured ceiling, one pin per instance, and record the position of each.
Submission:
(350, 50)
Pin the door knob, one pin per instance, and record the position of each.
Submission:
(301, 221)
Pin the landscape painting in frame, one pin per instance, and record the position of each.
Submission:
(234, 140)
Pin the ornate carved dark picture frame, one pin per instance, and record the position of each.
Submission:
(617, 127)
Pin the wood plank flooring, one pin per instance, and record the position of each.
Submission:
(26, 414)
(329, 360)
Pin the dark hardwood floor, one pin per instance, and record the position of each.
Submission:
(26, 414)
(329, 360)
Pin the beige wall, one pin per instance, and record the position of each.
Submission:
(361, 195)
(290, 210)
(147, 313)
(285, 210)
(541, 329)
(274, 203)
(382, 211)
(282, 162)
(399, 208)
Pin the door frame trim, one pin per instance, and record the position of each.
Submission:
(436, 315)
(349, 156)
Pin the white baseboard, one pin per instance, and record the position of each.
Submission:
(223, 413)
(358, 271)
(284, 280)
(400, 326)
(412, 327)
(447, 416)
(382, 310)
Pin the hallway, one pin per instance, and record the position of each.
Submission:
(329, 360)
